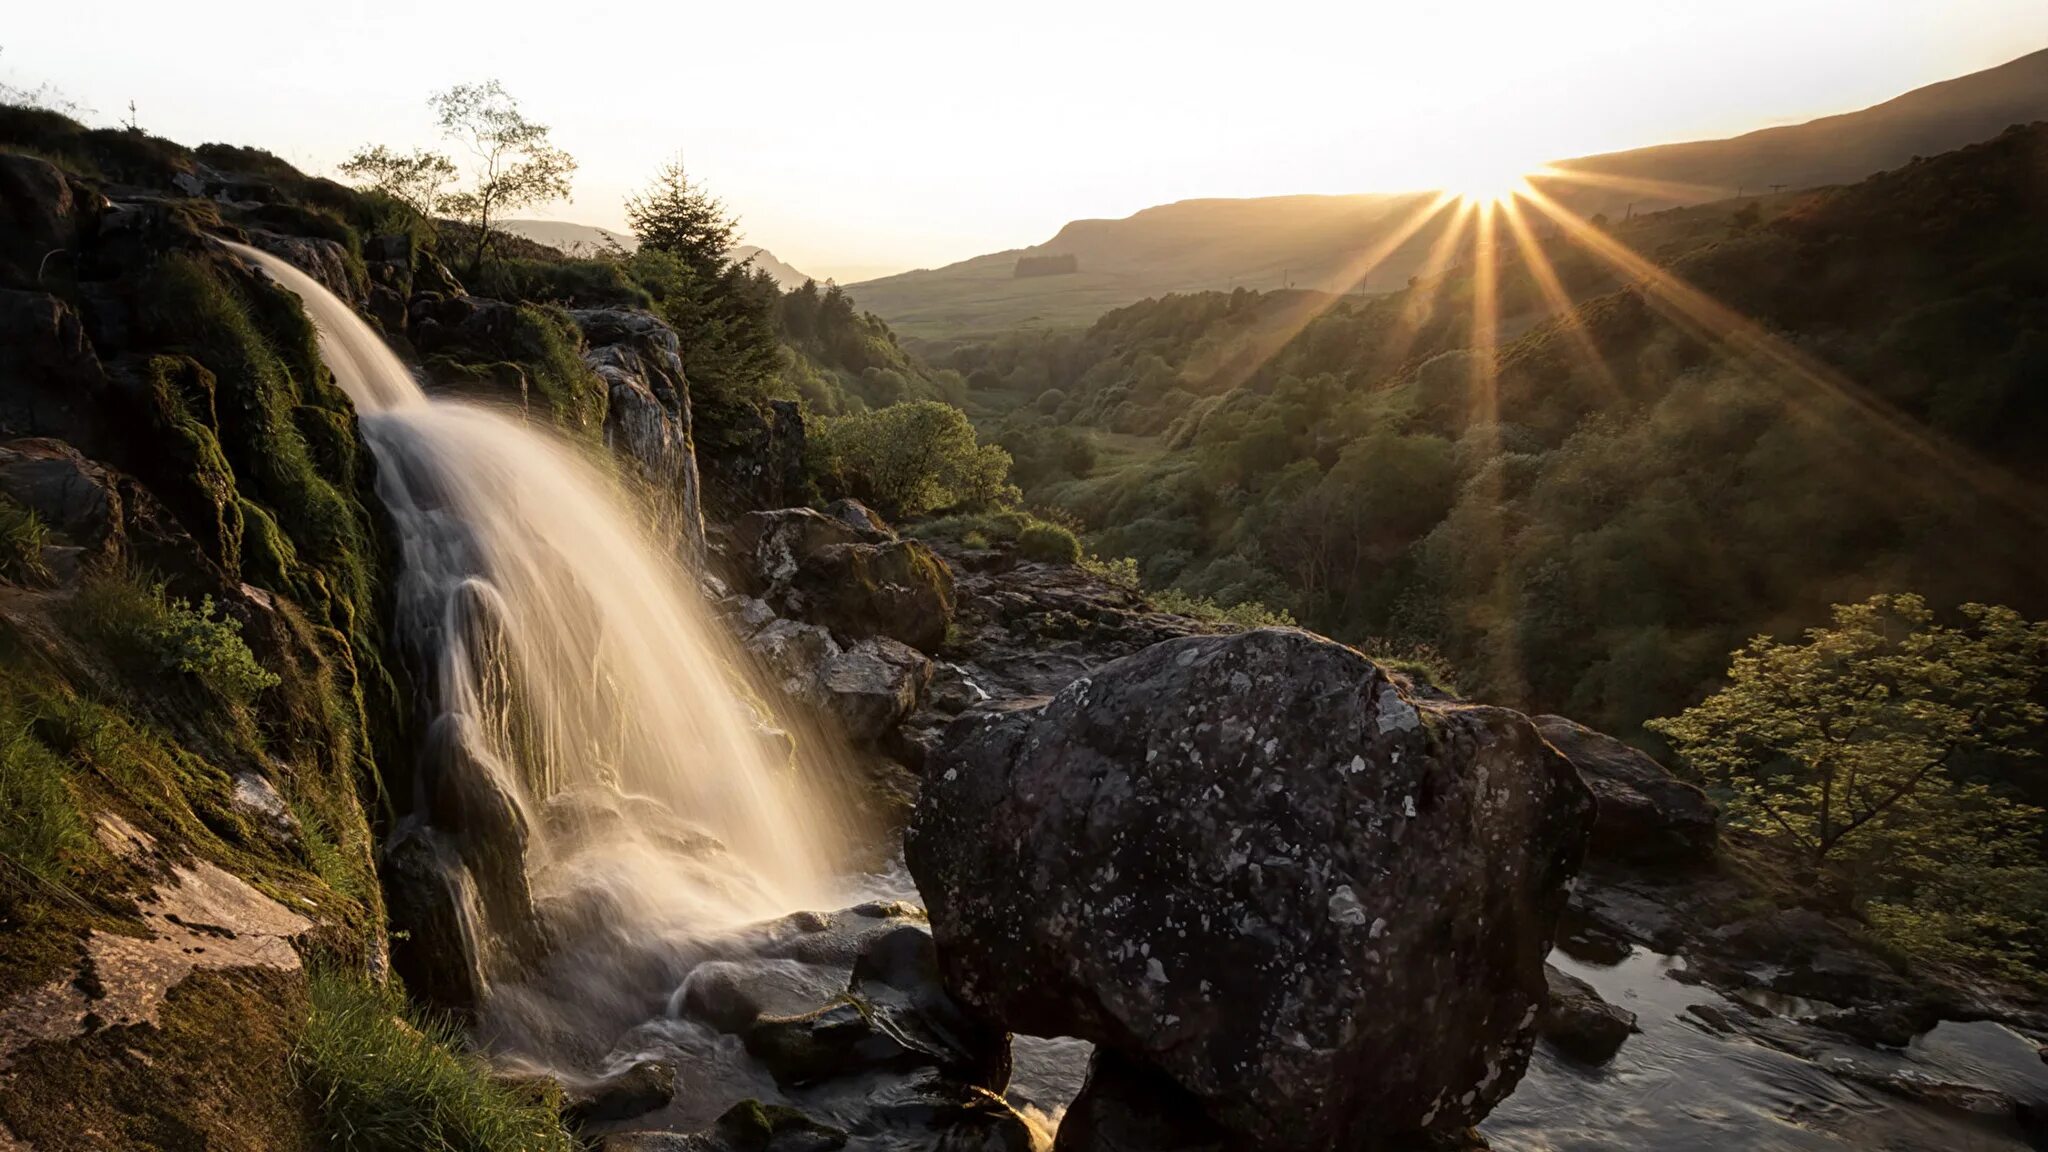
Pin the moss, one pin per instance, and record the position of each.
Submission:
(205, 1077)
(378, 1078)
(195, 479)
(547, 343)
(40, 825)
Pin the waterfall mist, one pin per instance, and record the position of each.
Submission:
(592, 761)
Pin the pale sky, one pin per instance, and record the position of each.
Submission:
(856, 139)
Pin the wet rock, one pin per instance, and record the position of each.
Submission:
(1579, 1022)
(1126, 1107)
(962, 1117)
(635, 1090)
(837, 1040)
(1893, 1024)
(431, 900)
(897, 977)
(1250, 863)
(864, 519)
(1641, 812)
(1238, 859)
(323, 260)
(730, 995)
(749, 1126)
(473, 800)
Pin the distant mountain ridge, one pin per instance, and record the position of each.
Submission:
(589, 240)
(1309, 241)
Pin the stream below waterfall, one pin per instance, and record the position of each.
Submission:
(593, 768)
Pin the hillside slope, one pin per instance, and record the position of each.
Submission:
(1308, 241)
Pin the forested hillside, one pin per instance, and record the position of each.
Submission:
(1576, 532)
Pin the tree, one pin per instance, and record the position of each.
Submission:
(909, 459)
(683, 219)
(515, 164)
(1868, 745)
(414, 179)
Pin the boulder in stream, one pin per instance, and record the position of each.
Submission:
(1579, 1022)
(1251, 864)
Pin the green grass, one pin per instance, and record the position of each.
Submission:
(1049, 544)
(169, 634)
(382, 1079)
(40, 825)
(22, 537)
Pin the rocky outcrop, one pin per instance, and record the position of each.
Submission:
(1579, 1022)
(855, 578)
(865, 688)
(647, 418)
(1251, 864)
(753, 456)
(1642, 814)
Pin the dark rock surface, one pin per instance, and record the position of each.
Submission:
(635, 1090)
(647, 417)
(1579, 1022)
(1224, 858)
(1641, 812)
(845, 574)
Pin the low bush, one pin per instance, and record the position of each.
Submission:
(382, 1079)
(1048, 543)
(170, 634)
(1249, 614)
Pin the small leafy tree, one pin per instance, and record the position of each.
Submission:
(1865, 745)
(415, 179)
(515, 163)
(909, 459)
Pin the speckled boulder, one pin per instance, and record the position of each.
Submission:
(1250, 863)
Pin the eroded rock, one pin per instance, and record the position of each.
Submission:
(1641, 812)
(1251, 863)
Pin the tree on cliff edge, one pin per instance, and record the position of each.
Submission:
(516, 165)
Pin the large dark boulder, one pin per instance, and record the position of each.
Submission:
(1642, 813)
(1251, 864)
(647, 414)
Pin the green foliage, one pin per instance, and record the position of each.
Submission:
(167, 634)
(1855, 745)
(1248, 614)
(908, 459)
(1121, 571)
(724, 316)
(842, 359)
(417, 179)
(382, 1079)
(23, 535)
(1049, 543)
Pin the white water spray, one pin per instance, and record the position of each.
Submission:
(575, 675)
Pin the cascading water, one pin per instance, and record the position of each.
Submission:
(590, 760)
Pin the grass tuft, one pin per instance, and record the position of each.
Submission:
(383, 1079)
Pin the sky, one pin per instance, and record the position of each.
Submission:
(858, 139)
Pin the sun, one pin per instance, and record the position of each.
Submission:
(1483, 181)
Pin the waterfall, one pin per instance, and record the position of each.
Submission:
(590, 755)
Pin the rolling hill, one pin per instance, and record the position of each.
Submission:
(1307, 241)
(587, 240)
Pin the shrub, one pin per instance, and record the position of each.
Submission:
(909, 459)
(1248, 614)
(1048, 543)
(172, 635)
(384, 1080)
(1122, 571)
(22, 537)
